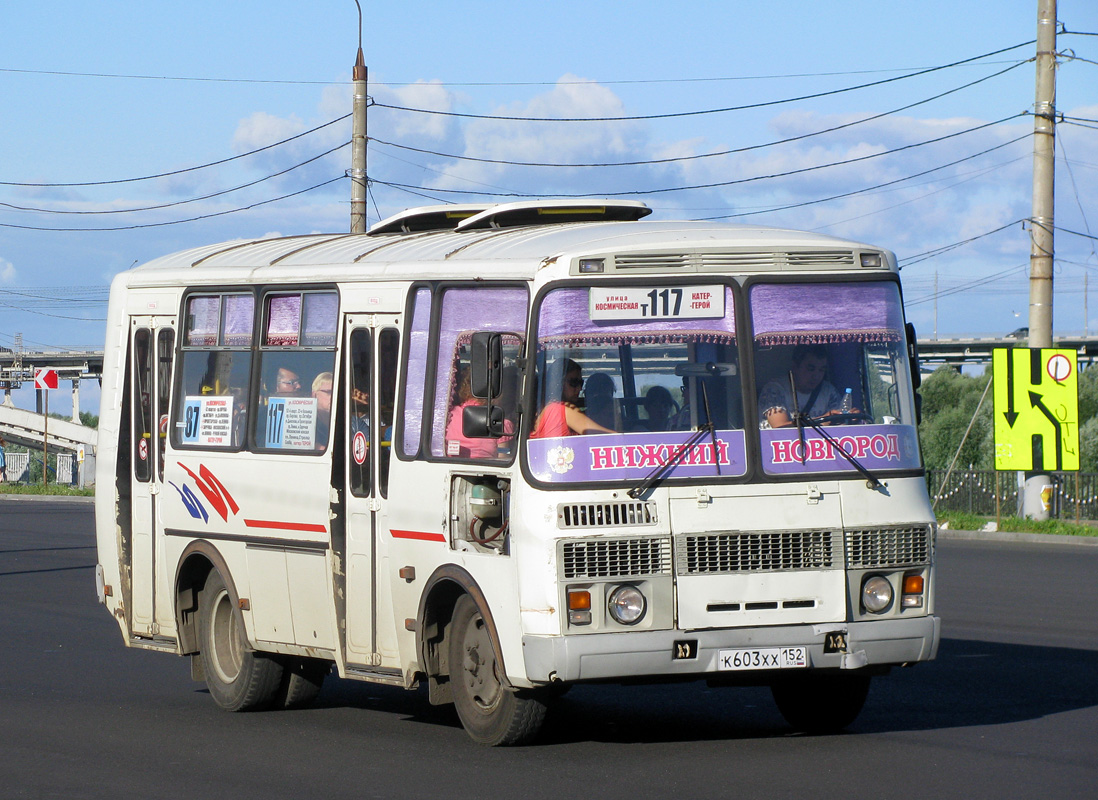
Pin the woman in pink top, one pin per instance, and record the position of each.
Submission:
(457, 443)
(563, 417)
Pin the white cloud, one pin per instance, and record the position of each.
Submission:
(7, 271)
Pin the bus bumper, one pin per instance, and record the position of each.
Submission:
(653, 653)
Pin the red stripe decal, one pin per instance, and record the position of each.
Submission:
(285, 526)
(426, 537)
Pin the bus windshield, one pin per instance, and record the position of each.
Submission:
(842, 345)
(626, 375)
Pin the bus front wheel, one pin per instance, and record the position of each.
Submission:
(819, 703)
(239, 679)
(491, 713)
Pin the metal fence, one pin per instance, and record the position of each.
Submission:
(62, 468)
(988, 492)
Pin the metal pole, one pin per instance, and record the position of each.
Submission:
(358, 148)
(1041, 222)
(46, 438)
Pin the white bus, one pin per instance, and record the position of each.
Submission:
(507, 449)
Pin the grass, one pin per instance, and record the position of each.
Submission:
(51, 489)
(959, 520)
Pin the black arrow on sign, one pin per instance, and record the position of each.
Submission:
(1010, 414)
(1036, 401)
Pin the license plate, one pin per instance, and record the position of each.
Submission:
(763, 658)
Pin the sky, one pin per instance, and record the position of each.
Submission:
(906, 126)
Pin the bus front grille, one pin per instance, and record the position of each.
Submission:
(611, 558)
(606, 515)
(772, 551)
(888, 547)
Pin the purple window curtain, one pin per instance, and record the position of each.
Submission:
(321, 316)
(826, 313)
(417, 370)
(283, 320)
(564, 321)
(202, 317)
(463, 312)
(236, 320)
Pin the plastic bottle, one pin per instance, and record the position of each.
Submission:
(847, 404)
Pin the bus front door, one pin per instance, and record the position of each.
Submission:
(152, 343)
(368, 389)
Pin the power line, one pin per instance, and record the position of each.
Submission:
(179, 202)
(178, 221)
(738, 181)
(674, 115)
(178, 171)
(937, 251)
(868, 188)
(966, 286)
(650, 162)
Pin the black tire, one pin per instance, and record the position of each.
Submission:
(491, 713)
(302, 679)
(820, 703)
(239, 679)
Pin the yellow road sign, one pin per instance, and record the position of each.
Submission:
(1036, 409)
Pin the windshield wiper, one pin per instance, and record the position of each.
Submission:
(656, 475)
(871, 480)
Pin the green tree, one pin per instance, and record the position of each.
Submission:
(950, 400)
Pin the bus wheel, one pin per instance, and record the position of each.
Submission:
(301, 681)
(820, 703)
(238, 679)
(491, 713)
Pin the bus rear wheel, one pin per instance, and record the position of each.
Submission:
(239, 679)
(491, 713)
(820, 703)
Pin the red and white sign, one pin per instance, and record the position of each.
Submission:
(358, 447)
(45, 378)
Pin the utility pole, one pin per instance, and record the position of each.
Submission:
(1039, 483)
(1044, 152)
(358, 138)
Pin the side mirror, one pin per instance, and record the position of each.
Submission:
(486, 364)
(913, 356)
(482, 422)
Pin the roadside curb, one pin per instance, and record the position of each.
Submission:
(1028, 538)
(63, 498)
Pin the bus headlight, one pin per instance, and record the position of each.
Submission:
(876, 594)
(627, 605)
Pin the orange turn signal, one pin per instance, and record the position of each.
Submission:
(579, 600)
(913, 584)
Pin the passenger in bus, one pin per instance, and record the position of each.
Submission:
(457, 443)
(322, 391)
(287, 383)
(598, 400)
(360, 413)
(816, 397)
(658, 405)
(562, 417)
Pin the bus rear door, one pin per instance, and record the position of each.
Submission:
(152, 343)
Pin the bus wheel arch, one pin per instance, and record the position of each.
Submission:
(195, 564)
(446, 586)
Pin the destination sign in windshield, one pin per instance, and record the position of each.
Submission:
(663, 302)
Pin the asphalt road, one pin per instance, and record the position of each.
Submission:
(1009, 709)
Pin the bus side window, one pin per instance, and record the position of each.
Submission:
(358, 429)
(415, 373)
(211, 402)
(388, 346)
(464, 311)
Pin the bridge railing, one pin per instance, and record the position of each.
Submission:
(988, 492)
(62, 468)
